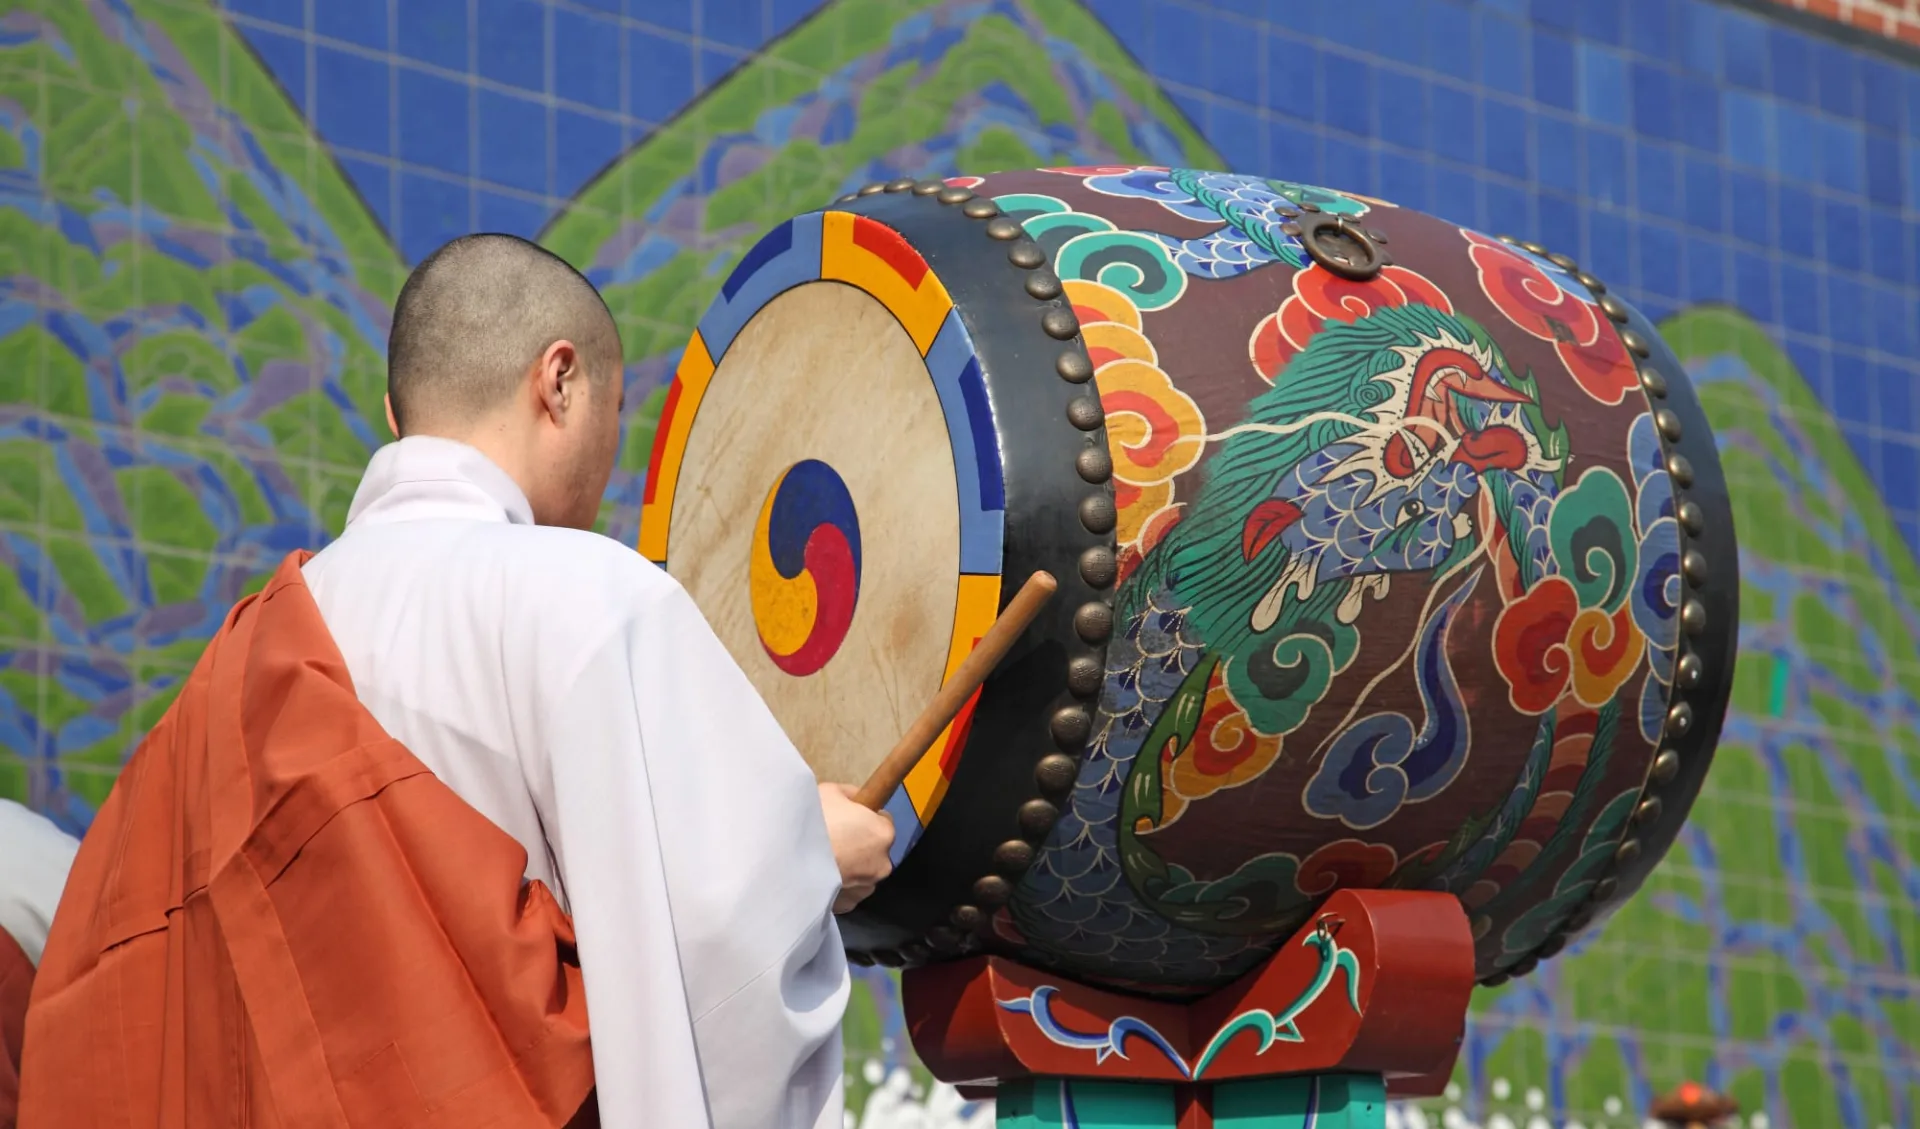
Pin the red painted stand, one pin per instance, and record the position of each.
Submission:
(1369, 999)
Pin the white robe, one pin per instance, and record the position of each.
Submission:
(571, 692)
(35, 857)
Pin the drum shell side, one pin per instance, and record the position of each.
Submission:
(1555, 899)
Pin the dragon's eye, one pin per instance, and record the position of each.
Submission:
(1413, 509)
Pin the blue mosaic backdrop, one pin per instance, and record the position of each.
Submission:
(205, 211)
(1689, 151)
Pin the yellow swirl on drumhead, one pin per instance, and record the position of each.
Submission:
(784, 609)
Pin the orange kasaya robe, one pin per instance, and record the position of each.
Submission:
(16, 981)
(281, 918)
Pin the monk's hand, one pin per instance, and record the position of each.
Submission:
(861, 839)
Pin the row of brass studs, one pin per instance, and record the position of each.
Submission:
(1070, 726)
(1689, 671)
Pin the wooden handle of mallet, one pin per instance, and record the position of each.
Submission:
(940, 712)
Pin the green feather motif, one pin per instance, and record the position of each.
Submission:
(1341, 371)
(1571, 825)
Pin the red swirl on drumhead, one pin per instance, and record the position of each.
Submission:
(830, 562)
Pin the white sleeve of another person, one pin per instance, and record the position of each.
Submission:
(34, 859)
(696, 863)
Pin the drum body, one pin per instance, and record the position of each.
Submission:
(1391, 555)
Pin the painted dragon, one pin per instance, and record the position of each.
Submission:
(1367, 459)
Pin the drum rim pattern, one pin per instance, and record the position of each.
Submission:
(841, 247)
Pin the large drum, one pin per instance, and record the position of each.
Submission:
(1391, 555)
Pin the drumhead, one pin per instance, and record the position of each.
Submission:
(821, 420)
(833, 394)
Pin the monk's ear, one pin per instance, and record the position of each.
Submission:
(557, 376)
(392, 424)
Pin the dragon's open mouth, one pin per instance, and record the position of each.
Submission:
(1497, 446)
(1490, 434)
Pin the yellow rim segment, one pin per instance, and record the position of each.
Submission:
(975, 611)
(921, 308)
(784, 610)
(692, 377)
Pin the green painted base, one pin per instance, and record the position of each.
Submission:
(1327, 1101)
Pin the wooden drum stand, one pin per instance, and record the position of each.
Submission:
(1369, 1000)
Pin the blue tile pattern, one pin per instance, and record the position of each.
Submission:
(1678, 147)
(409, 92)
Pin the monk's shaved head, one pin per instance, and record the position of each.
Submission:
(475, 316)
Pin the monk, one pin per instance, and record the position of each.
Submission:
(465, 778)
(34, 859)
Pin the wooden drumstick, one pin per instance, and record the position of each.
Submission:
(940, 712)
